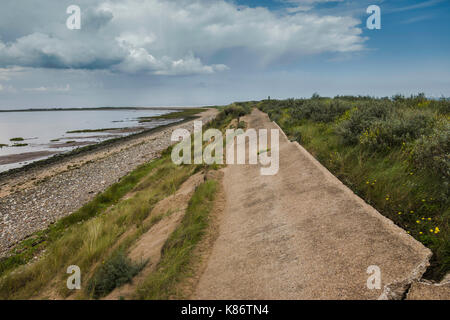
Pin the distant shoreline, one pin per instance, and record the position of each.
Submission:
(97, 109)
(182, 116)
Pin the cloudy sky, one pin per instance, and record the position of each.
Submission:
(203, 52)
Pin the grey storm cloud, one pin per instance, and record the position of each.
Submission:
(163, 37)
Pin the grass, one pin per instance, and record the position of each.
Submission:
(19, 145)
(96, 234)
(86, 237)
(16, 139)
(177, 251)
(28, 248)
(372, 146)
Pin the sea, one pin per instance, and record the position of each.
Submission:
(28, 136)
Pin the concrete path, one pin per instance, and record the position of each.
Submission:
(302, 234)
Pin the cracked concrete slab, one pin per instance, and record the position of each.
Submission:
(426, 290)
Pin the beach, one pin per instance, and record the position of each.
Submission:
(34, 197)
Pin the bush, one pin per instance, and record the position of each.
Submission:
(433, 151)
(396, 130)
(117, 271)
(236, 110)
(319, 110)
(296, 135)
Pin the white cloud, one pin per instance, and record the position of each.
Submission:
(179, 37)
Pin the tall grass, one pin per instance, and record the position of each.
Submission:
(88, 242)
(28, 248)
(177, 251)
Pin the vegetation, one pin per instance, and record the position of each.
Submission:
(178, 249)
(393, 152)
(117, 271)
(90, 233)
(97, 236)
(16, 139)
(27, 249)
(3, 145)
(19, 145)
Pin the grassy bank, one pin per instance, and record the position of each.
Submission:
(97, 236)
(394, 153)
(86, 237)
(27, 249)
(176, 254)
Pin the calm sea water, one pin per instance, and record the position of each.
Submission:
(40, 129)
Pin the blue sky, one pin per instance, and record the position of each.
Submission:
(202, 52)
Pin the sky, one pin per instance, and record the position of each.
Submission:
(215, 52)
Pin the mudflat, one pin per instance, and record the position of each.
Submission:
(26, 156)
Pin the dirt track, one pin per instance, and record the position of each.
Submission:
(302, 234)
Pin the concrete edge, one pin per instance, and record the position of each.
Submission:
(395, 290)
(431, 284)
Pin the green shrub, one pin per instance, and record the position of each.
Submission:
(235, 111)
(396, 130)
(362, 119)
(433, 151)
(115, 272)
(320, 110)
